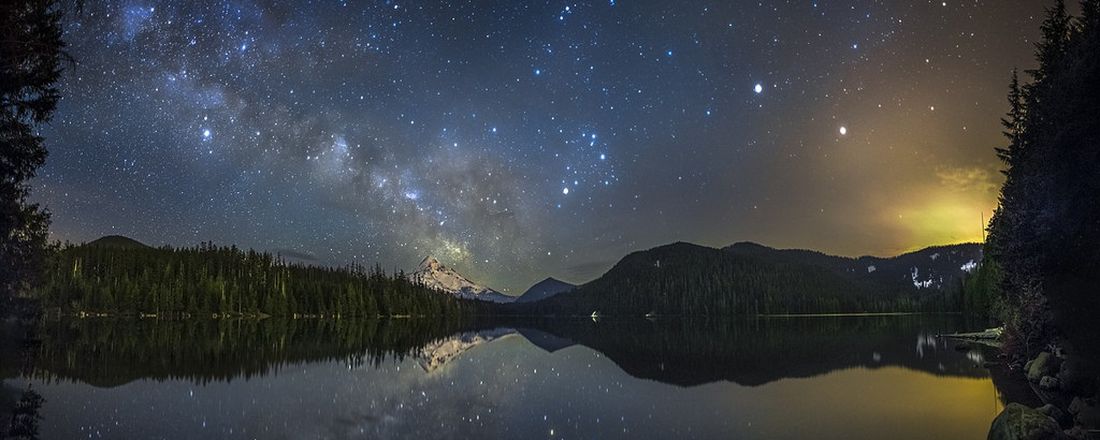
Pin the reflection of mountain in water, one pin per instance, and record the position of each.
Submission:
(110, 353)
(437, 354)
(757, 351)
(746, 351)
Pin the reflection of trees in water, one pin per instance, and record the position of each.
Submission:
(114, 352)
(22, 424)
(19, 409)
(751, 351)
(747, 351)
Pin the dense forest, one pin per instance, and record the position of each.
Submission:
(686, 279)
(1044, 264)
(109, 277)
(118, 276)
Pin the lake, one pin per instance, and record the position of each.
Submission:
(869, 377)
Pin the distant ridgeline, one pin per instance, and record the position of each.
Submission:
(120, 276)
(746, 278)
(117, 275)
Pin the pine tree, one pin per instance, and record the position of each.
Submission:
(1090, 16)
(1044, 233)
(1013, 121)
(30, 66)
(1055, 38)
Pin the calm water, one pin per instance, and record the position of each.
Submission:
(777, 378)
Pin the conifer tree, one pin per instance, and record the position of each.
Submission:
(30, 66)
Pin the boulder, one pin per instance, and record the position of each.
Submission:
(1077, 377)
(1045, 364)
(1018, 422)
(1049, 383)
(1088, 416)
(1076, 405)
(1064, 419)
(1076, 433)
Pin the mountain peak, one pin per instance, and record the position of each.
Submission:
(116, 241)
(434, 275)
(545, 289)
(429, 262)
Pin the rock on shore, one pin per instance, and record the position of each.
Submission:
(1018, 422)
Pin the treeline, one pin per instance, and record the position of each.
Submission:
(980, 291)
(210, 280)
(1044, 238)
(685, 279)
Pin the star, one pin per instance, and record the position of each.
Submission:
(433, 135)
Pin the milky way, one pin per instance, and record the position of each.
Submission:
(516, 140)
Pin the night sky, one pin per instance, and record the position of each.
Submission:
(516, 140)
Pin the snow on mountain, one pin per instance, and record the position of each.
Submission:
(433, 274)
(932, 268)
(434, 356)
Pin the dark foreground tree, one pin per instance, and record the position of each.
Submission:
(30, 65)
(1045, 234)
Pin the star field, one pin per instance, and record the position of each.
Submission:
(519, 140)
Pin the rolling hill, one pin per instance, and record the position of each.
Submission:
(688, 279)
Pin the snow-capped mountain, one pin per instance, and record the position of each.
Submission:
(433, 274)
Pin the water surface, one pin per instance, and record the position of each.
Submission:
(774, 378)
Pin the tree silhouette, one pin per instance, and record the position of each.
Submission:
(30, 65)
(1044, 233)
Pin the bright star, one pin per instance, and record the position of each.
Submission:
(565, 190)
(843, 130)
(758, 89)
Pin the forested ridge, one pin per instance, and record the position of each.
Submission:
(685, 279)
(209, 280)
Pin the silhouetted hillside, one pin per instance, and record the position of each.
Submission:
(116, 241)
(687, 279)
(936, 267)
